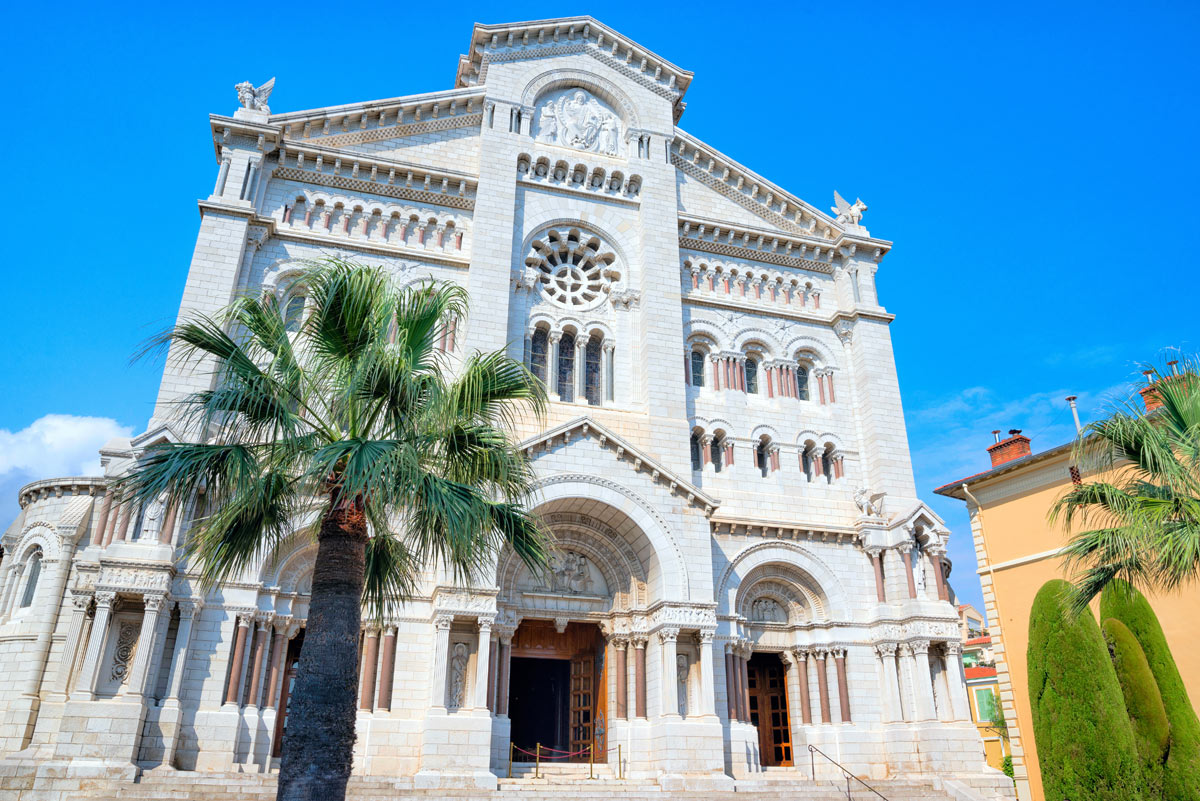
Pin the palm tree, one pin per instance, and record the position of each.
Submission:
(351, 422)
(1143, 510)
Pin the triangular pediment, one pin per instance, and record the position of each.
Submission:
(624, 452)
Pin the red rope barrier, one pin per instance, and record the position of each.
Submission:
(544, 755)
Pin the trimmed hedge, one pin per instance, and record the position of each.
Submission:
(1143, 702)
(1181, 773)
(1084, 740)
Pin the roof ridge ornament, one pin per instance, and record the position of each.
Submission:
(254, 100)
(848, 214)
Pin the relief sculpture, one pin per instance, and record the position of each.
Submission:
(577, 119)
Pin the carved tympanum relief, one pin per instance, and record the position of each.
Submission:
(576, 118)
(767, 610)
(571, 573)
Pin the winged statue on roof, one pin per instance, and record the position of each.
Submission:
(869, 503)
(848, 213)
(255, 98)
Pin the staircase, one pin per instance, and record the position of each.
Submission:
(556, 783)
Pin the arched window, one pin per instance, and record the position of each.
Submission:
(33, 572)
(762, 457)
(716, 450)
(566, 368)
(697, 367)
(827, 466)
(591, 373)
(802, 382)
(293, 310)
(696, 456)
(538, 344)
(752, 375)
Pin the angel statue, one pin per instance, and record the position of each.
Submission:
(847, 213)
(255, 99)
(870, 504)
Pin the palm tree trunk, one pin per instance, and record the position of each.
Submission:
(318, 748)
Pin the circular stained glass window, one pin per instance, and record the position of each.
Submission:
(573, 267)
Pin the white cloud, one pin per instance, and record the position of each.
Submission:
(57, 445)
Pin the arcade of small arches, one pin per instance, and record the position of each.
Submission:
(388, 224)
(715, 451)
(575, 363)
(750, 283)
(753, 371)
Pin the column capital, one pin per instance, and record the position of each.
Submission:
(918, 646)
(443, 622)
(485, 622)
(154, 601)
(953, 647)
(801, 653)
(81, 600)
(639, 640)
(189, 607)
(619, 641)
(705, 636)
(264, 619)
(885, 649)
(282, 623)
(668, 634)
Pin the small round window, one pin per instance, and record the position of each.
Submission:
(574, 268)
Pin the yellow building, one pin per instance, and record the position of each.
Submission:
(1019, 551)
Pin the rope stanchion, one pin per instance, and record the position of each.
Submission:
(591, 760)
(537, 766)
(620, 764)
(510, 753)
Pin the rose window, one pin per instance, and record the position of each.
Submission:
(574, 268)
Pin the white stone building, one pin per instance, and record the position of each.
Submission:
(744, 569)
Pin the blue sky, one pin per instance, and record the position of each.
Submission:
(1035, 165)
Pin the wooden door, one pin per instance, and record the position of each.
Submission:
(583, 697)
(769, 710)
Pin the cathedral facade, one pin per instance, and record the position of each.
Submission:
(743, 568)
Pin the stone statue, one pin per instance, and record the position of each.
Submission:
(570, 573)
(870, 504)
(255, 99)
(848, 214)
(578, 120)
(767, 610)
(152, 518)
(681, 676)
(458, 675)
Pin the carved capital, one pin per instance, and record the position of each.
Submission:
(484, 623)
(154, 601)
(638, 640)
(669, 634)
(105, 598)
(443, 622)
(919, 646)
(886, 650)
(953, 648)
(705, 637)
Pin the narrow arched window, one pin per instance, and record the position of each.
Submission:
(591, 374)
(752, 376)
(802, 382)
(697, 368)
(696, 460)
(566, 367)
(716, 450)
(806, 464)
(33, 573)
(827, 466)
(762, 458)
(293, 311)
(537, 353)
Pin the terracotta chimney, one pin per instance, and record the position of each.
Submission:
(1006, 450)
(1149, 392)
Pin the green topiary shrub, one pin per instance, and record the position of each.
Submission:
(1181, 772)
(1143, 703)
(1006, 766)
(1084, 741)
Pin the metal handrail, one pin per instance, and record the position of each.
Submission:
(813, 750)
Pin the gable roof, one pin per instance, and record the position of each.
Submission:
(513, 41)
(623, 451)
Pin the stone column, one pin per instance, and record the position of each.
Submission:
(91, 662)
(804, 691)
(746, 684)
(843, 690)
(122, 529)
(608, 371)
(79, 606)
(148, 643)
(877, 563)
(891, 685)
(918, 652)
(639, 676)
(239, 652)
(581, 341)
(936, 558)
(166, 534)
(493, 666)
(262, 631)
(283, 629)
(823, 685)
(554, 338)
(668, 639)
(731, 683)
(441, 653)
(621, 645)
(370, 659)
(708, 685)
(791, 683)
(506, 636)
(906, 555)
(956, 678)
(183, 638)
(482, 664)
(387, 670)
(102, 528)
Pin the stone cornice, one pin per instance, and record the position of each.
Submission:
(540, 38)
(762, 310)
(225, 128)
(404, 110)
(44, 488)
(744, 525)
(274, 229)
(801, 251)
(586, 426)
